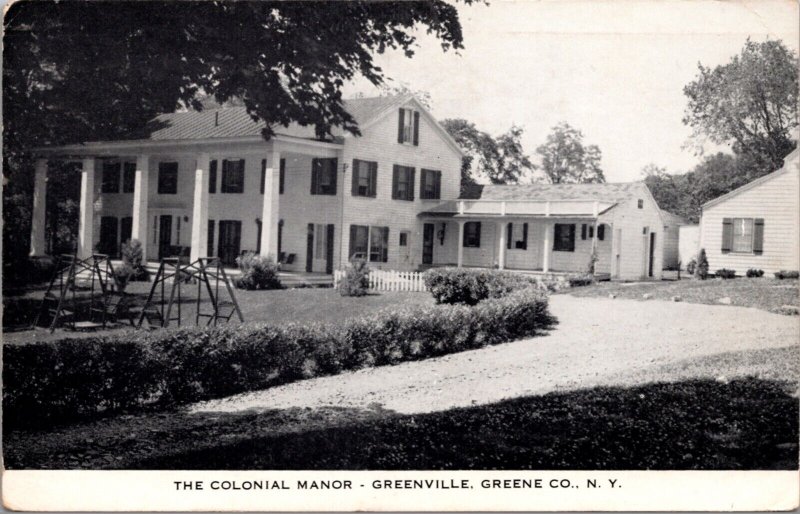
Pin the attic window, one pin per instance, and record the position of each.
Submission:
(640, 203)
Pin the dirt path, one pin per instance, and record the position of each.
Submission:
(598, 341)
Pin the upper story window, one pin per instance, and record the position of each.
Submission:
(232, 176)
(430, 185)
(128, 177)
(323, 176)
(472, 234)
(403, 183)
(167, 178)
(110, 177)
(408, 127)
(640, 203)
(564, 240)
(365, 178)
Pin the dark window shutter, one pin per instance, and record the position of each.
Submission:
(282, 176)
(416, 128)
(601, 232)
(400, 124)
(210, 245)
(758, 236)
(354, 186)
(314, 169)
(353, 232)
(373, 179)
(478, 234)
(583, 231)
(333, 169)
(572, 238)
(395, 180)
(438, 184)
(509, 233)
(524, 236)
(212, 178)
(411, 183)
(310, 248)
(385, 249)
(727, 235)
(263, 175)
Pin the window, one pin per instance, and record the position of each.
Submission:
(323, 176)
(370, 243)
(403, 183)
(212, 177)
(128, 177)
(232, 176)
(564, 240)
(430, 185)
(743, 235)
(379, 244)
(365, 178)
(640, 203)
(110, 177)
(404, 238)
(517, 237)
(168, 178)
(472, 234)
(408, 127)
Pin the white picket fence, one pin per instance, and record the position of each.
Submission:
(389, 280)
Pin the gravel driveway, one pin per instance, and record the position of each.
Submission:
(598, 341)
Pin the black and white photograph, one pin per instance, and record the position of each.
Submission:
(400, 255)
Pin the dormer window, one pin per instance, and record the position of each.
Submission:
(408, 127)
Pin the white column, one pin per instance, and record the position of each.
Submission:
(86, 217)
(199, 246)
(501, 253)
(547, 245)
(460, 243)
(270, 212)
(38, 218)
(140, 191)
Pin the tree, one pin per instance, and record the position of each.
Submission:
(565, 159)
(500, 160)
(750, 103)
(403, 88)
(79, 71)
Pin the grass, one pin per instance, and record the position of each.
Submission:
(276, 307)
(693, 424)
(761, 293)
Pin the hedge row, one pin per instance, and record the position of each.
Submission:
(471, 286)
(71, 380)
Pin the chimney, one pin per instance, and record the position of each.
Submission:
(216, 118)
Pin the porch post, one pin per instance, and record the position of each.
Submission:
(200, 209)
(546, 250)
(501, 257)
(86, 216)
(270, 211)
(38, 219)
(140, 189)
(460, 243)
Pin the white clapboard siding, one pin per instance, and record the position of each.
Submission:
(380, 280)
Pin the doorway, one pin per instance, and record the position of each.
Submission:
(427, 243)
(230, 241)
(319, 248)
(164, 235)
(108, 236)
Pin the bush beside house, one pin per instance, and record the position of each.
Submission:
(356, 279)
(258, 272)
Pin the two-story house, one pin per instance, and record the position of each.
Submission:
(207, 184)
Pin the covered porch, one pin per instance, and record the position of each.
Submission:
(532, 237)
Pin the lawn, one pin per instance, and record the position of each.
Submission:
(303, 305)
(762, 293)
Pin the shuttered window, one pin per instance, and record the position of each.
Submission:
(408, 126)
(564, 240)
(323, 176)
(517, 236)
(430, 184)
(403, 183)
(232, 176)
(168, 178)
(472, 234)
(365, 178)
(743, 235)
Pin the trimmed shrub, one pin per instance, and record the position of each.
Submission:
(77, 379)
(356, 279)
(755, 273)
(782, 274)
(725, 273)
(122, 274)
(258, 272)
(701, 269)
(580, 280)
(691, 266)
(132, 256)
(465, 286)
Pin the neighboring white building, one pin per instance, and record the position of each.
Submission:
(207, 184)
(672, 233)
(688, 243)
(757, 225)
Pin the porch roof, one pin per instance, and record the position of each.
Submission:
(519, 209)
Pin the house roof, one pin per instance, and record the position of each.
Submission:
(607, 192)
(673, 219)
(225, 122)
(790, 163)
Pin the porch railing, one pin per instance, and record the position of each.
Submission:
(380, 280)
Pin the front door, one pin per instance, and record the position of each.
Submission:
(108, 236)
(652, 254)
(230, 241)
(164, 235)
(427, 243)
(319, 248)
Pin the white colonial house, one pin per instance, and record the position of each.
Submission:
(207, 184)
(756, 226)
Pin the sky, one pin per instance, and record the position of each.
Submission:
(613, 69)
